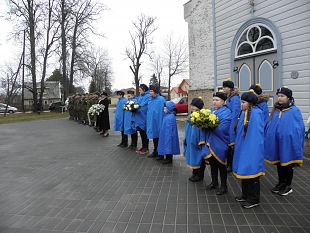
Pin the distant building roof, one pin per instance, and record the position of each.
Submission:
(178, 90)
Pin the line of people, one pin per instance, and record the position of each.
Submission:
(245, 139)
(154, 120)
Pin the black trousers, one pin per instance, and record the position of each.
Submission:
(215, 167)
(230, 156)
(124, 138)
(285, 174)
(200, 171)
(144, 139)
(251, 190)
(134, 139)
(155, 142)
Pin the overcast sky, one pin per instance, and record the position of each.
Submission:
(115, 24)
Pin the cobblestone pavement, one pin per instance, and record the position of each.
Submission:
(59, 176)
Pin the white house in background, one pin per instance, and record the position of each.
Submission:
(252, 41)
(51, 94)
(181, 90)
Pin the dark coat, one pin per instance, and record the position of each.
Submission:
(103, 120)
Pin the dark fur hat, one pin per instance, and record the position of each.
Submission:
(257, 88)
(250, 97)
(197, 102)
(120, 93)
(144, 87)
(285, 91)
(220, 94)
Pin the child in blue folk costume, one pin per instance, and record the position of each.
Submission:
(262, 102)
(168, 143)
(129, 127)
(217, 139)
(284, 141)
(154, 117)
(119, 118)
(194, 139)
(234, 104)
(248, 162)
(140, 118)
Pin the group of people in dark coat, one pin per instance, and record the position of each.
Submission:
(245, 138)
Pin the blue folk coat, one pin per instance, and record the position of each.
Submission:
(155, 114)
(193, 144)
(248, 161)
(168, 137)
(264, 107)
(217, 139)
(234, 104)
(119, 115)
(140, 115)
(129, 124)
(284, 141)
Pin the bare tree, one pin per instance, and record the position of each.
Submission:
(11, 84)
(65, 8)
(100, 70)
(144, 27)
(51, 36)
(27, 11)
(157, 67)
(176, 58)
(84, 13)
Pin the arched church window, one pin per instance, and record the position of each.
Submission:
(265, 75)
(244, 77)
(254, 40)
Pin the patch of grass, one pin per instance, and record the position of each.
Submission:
(21, 117)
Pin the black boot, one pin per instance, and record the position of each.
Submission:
(167, 160)
(222, 190)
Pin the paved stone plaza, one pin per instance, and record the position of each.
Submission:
(59, 176)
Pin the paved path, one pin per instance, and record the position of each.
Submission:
(59, 176)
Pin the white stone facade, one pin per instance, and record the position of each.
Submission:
(198, 15)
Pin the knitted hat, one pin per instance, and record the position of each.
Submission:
(144, 87)
(220, 94)
(257, 88)
(285, 91)
(197, 102)
(249, 97)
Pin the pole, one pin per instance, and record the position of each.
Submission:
(23, 79)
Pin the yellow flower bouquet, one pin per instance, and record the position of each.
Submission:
(204, 119)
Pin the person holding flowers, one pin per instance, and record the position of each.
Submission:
(129, 128)
(284, 141)
(233, 103)
(248, 162)
(119, 118)
(140, 117)
(194, 138)
(217, 139)
(155, 114)
(168, 144)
